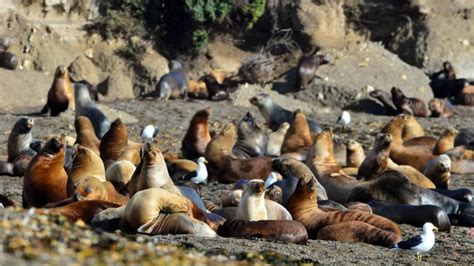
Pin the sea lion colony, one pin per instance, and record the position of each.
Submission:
(289, 181)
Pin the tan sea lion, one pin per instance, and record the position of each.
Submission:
(445, 141)
(197, 89)
(114, 142)
(119, 174)
(275, 140)
(369, 228)
(355, 154)
(45, 180)
(85, 163)
(61, 93)
(439, 171)
(85, 134)
(274, 193)
(412, 129)
(131, 153)
(197, 137)
(440, 108)
(377, 158)
(224, 167)
(280, 231)
(81, 210)
(298, 137)
(156, 211)
(91, 188)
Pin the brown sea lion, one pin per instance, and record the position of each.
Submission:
(251, 139)
(386, 99)
(275, 140)
(81, 210)
(377, 158)
(8, 60)
(298, 137)
(131, 152)
(445, 141)
(441, 108)
(232, 199)
(218, 75)
(416, 105)
(85, 163)
(370, 228)
(224, 167)
(119, 174)
(157, 211)
(85, 134)
(355, 154)
(279, 231)
(151, 173)
(307, 68)
(91, 188)
(197, 89)
(197, 137)
(466, 95)
(439, 171)
(113, 143)
(412, 129)
(61, 93)
(45, 180)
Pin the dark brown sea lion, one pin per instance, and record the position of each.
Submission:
(45, 180)
(82, 210)
(386, 99)
(307, 68)
(114, 142)
(441, 108)
(197, 137)
(8, 60)
(251, 139)
(91, 188)
(416, 105)
(224, 167)
(371, 228)
(355, 154)
(85, 134)
(61, 93)
(279, 231)
(216, 91)
(412, 215)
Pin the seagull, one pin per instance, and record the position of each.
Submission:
(420, 243)
(344, 119)
(149, 133)
(272, 178)
(200, 175)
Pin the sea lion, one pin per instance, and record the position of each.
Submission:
(8, 60)
(45, 180)
(113, 143)
(279, 231)
(275, 140)
(377, 158)
(86, 136)
(156, 211)
(464, 137)
(232, 198)
(61, 94)
(440, 108)
(355, 154)
(216, 91)
(412, 129)
(173, 84)
(417, 106)
(119, 174)
(274, 193)
(86, 163)
(448, 72)
(439, 171)
(412, 215)
(307, 68)
(251, 139)
(447, 88)
(275, 115)
(6, 168)
(197, 136)
(151, 173)
(197, 89)
(20, 138)
(298, 138)
(445, 141)
(131, 152)
(461, 194)
(466, 95)
(386, 99)
(224, 167)
(85, 106)
(91, 188)
(82, 210)
(254, 207)
(371, 228)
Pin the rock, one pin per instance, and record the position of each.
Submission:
(116, 86)
(155, 64)
(84, 69)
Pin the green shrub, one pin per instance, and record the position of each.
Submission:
(253, 11)
(200, 39)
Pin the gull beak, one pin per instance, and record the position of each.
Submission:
(435, 229)
(205, 161)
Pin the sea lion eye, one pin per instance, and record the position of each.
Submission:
(89, 190)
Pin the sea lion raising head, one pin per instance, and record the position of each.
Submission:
(61, 94)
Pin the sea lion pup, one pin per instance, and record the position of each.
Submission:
(293, 169)
(275, 115)
(254, 207)
(377, 158)
(386, 99)
(448, 72)
(85, 106)
(173, 84)
(324, 166)
(355, 154)
(278, 231)
(119, 174)
(61, 94)
(251, 139)
(298, 137)
(416, 105)
(85, 163)
(232, 198)
(307, 68)
(85, 134)
(224, 167)
(197, 89)
(156, 211)
(412, 129)
(440, 108)
(8, 60)
(91, 188)
(371, 228)
(45, 180)
(412, 215)
(439, 171)
(81, 210)
(113, 143)
(275, 140)
(152, 172)
(197, 137)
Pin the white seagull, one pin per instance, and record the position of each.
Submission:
(344, 119)
(200, 175)
(149, 133)
(420, 243)
(272, 178)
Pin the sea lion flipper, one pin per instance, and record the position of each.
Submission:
(45, 109)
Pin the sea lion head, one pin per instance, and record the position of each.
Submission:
(83, 122)
(323, 144)
(89, 188)
(289, 167)
(397, 93)
(447, 66)
(395, 126)
(55, 144)
(150, 154)
(450, 132)
(444, 163)
(436, 106)
(305, 190)
(118, 127)
(261, 100)
(274, 193)
(382, 141)
(255, 187)
(353, 145)
(61, 71)
(23, 125)
(175, 65)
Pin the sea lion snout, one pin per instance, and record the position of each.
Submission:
(56, 143)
